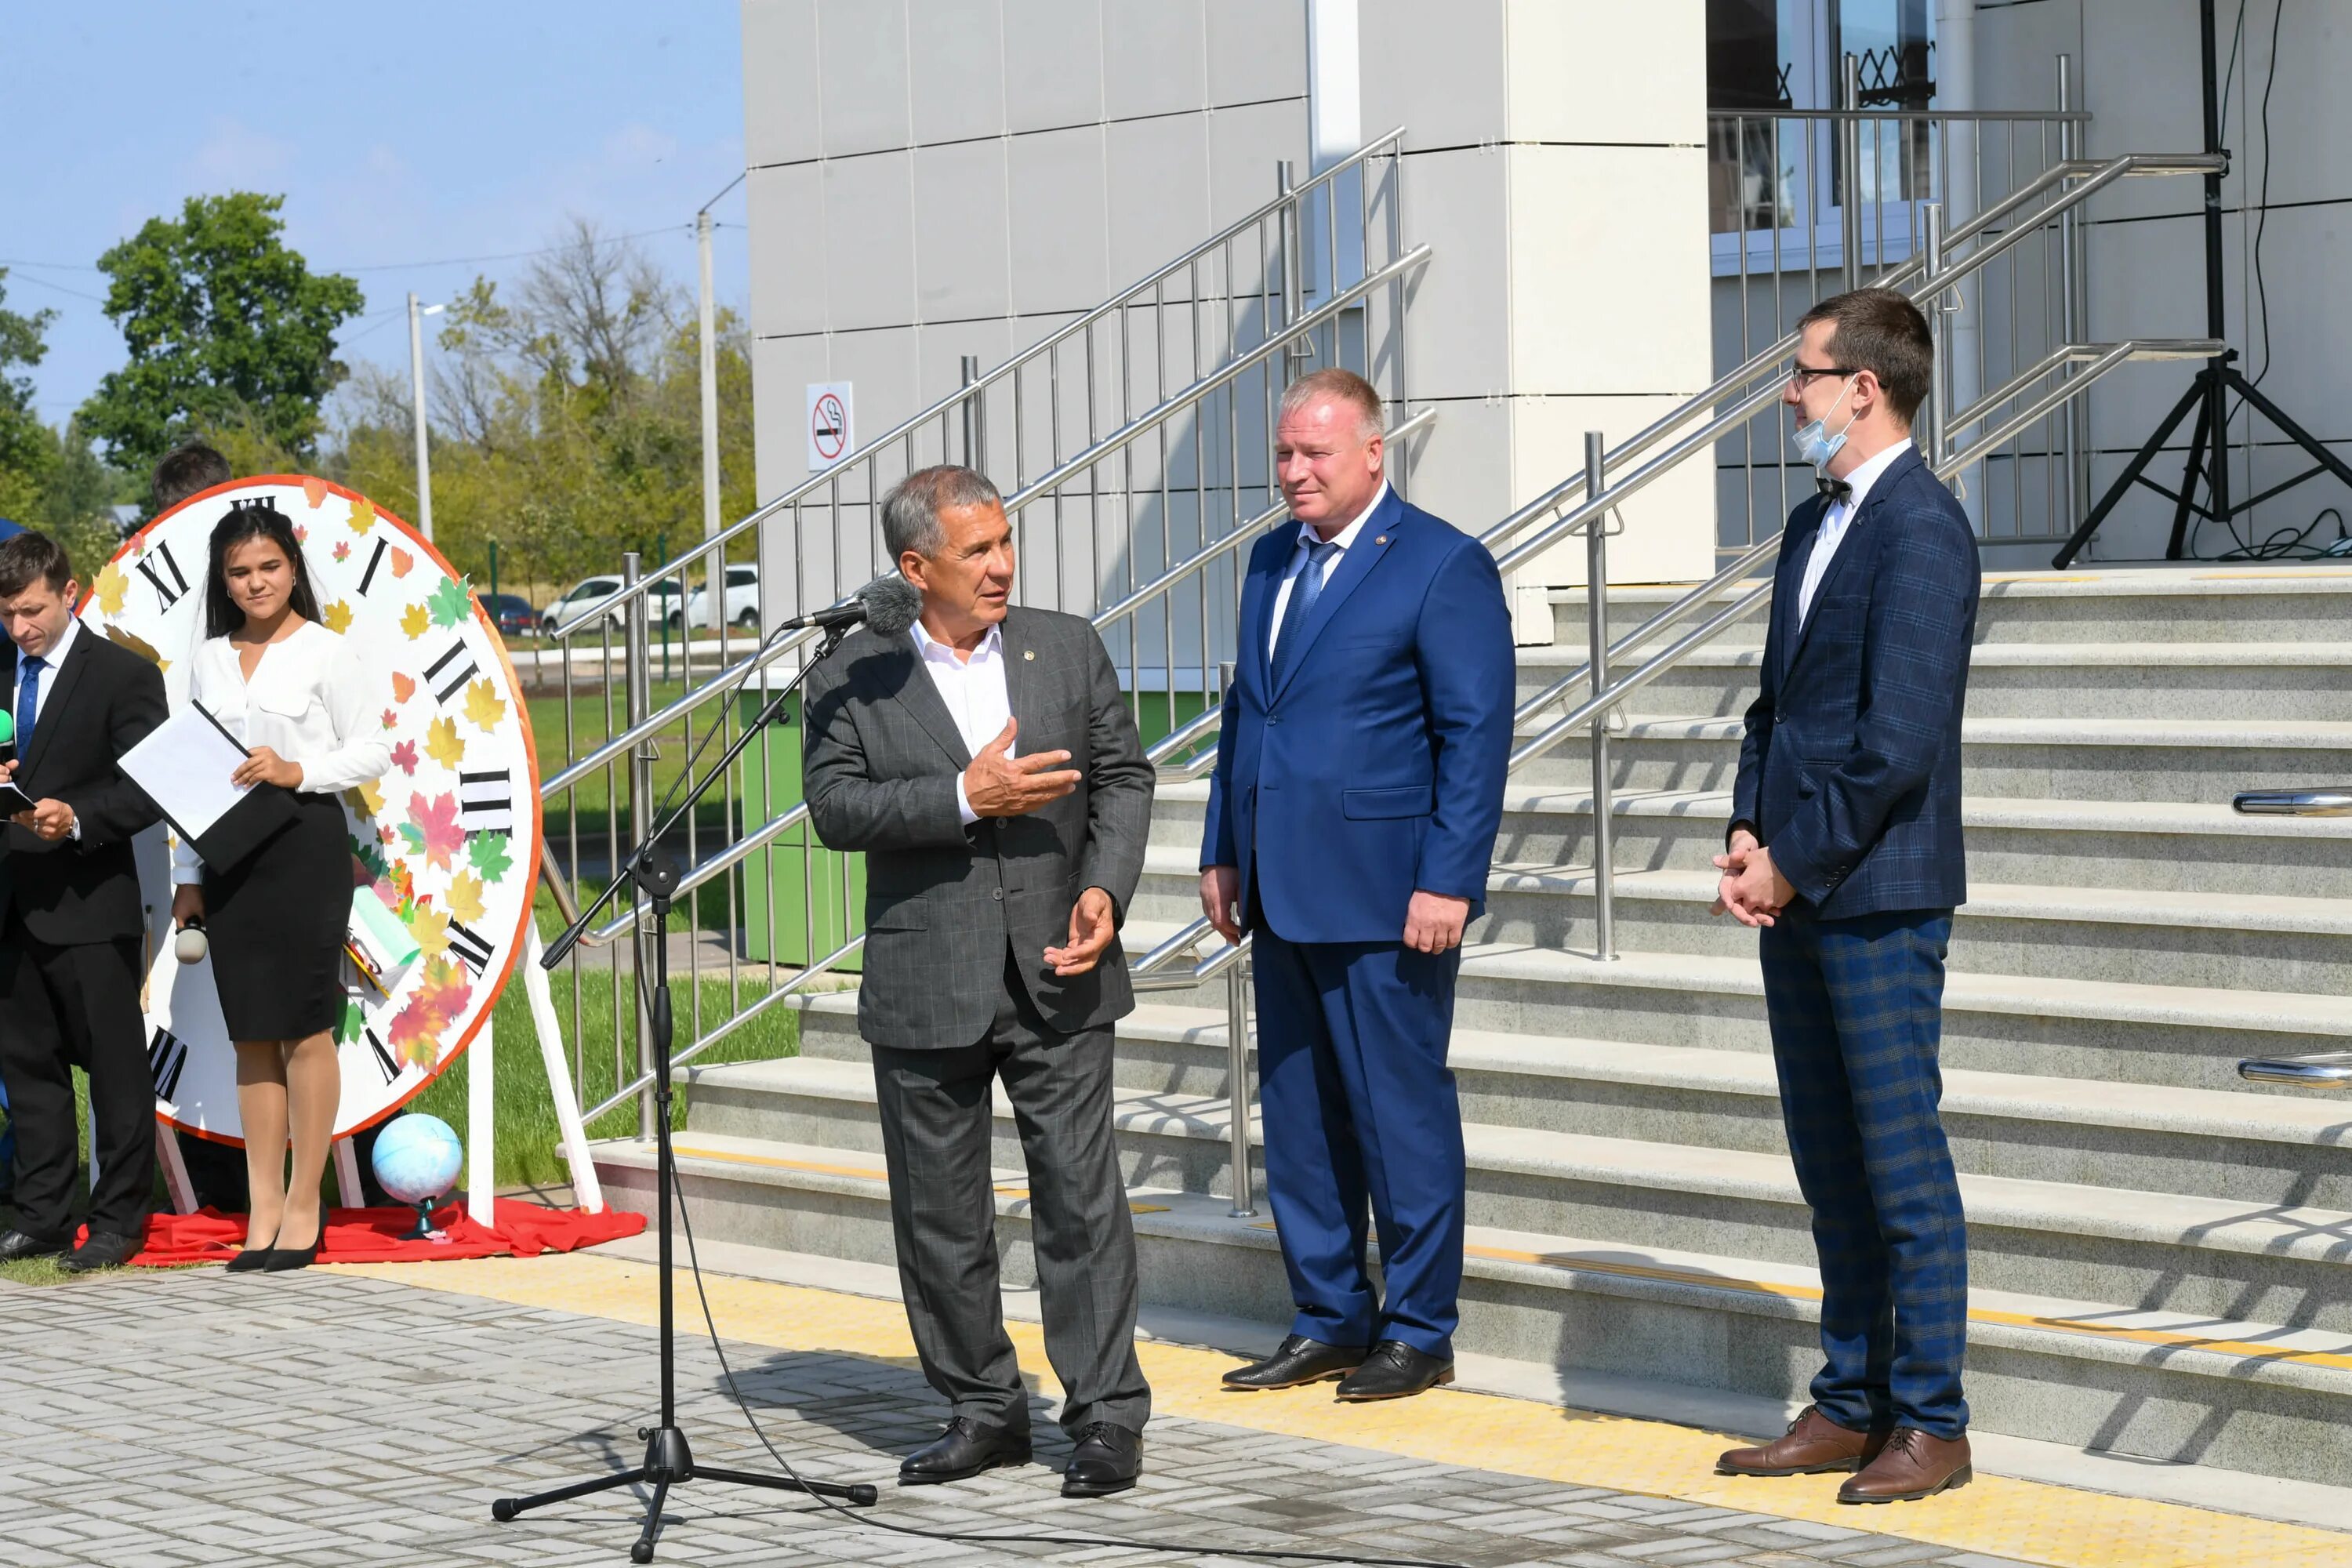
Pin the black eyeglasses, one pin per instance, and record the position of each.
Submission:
(1798, 375)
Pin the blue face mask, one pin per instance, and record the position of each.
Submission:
(1812, 440)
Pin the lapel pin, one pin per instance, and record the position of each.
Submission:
(1029, 654)
(1381, 538)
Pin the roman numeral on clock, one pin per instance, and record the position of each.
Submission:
(486, 802)
(169, 593)
(367, 578)
(471, 946)
(448, 674)
(386, 1062)
(167, 1054)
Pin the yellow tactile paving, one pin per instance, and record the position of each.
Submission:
(2024, 1520)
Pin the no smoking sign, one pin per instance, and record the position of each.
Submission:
(830, 409)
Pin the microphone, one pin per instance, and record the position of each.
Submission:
(886, 606)
(189, 945)
(7, 728)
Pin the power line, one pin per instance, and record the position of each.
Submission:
(397, 266)
(61, 289)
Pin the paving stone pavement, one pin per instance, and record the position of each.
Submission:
(158, 1420)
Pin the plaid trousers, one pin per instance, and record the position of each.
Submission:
(1856, 1011)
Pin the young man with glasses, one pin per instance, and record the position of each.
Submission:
(1845, 849)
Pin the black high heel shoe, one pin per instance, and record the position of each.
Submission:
(283, 1259)
(251, 1259)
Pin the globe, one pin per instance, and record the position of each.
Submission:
(417, 1158)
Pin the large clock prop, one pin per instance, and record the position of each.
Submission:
(450, 837)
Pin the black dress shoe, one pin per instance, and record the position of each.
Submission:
(1106, 1459)
(104, 1249)
(16, 1245)
(1393, 1371)
(962, 1452)
(1299, 1360)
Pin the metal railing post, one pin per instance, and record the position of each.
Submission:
(1238, 1086)
(1295, 349)
(975, 419)
(1850, 157)
(1596, 616)
(2071, 306)
(638, 678)
(1939, 329)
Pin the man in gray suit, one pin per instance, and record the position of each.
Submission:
(986, 763)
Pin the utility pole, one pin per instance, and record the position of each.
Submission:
(417, 314)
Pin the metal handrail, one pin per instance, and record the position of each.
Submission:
(2319, 1070)
(964, 393)
(2093, 175)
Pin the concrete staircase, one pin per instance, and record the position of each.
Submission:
(2162, 1254)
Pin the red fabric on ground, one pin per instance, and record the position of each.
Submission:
(378, 1235)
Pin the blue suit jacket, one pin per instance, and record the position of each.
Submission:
(1376, 766)
(1850, 769)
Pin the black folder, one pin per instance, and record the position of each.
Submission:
(265, 812)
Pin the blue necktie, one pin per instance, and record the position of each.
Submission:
(1304, 590)
(28, 699)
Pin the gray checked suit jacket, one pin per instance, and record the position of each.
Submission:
(881, 760)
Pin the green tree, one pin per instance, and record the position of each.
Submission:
(78, 495)
(25, 442)
(226, 326)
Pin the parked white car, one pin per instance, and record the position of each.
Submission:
(742, 601)
(588, 590)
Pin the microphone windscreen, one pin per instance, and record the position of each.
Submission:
(190, 945)
(892, 605)
(7, 728)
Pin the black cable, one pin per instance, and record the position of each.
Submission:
(1108, 1542)
(2263, 213)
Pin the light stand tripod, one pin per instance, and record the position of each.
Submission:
(668, 1461)
(2208, 393)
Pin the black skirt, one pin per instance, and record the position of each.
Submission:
(277, 921)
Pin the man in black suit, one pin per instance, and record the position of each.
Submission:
(70, 919)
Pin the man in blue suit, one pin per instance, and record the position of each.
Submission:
(1351, 821)
(1845, 848)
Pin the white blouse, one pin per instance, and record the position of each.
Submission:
(308, 701)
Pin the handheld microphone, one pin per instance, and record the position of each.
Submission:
(191, 944)
(7, 728)
(887, 605)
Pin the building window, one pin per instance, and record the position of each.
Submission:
(1783, 173)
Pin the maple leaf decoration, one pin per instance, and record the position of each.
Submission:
(404, 687)
(337, 616)
(391, 719)
(362, 516)
(301, 533)
(466, 896)
(370, 796)
(483, 706)
(342, 550)
(416, 1029)
(404, 756)
(315, 492)
(430, 927)
(111, 584)
(486, 853)
(413, 621)
(441, 743)
(432, 828)
(450, 602)
(401, 562)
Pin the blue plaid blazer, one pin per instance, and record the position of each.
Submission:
(1850, 765)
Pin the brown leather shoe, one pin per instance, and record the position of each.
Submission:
(1914, 1464)
(1814, 1445)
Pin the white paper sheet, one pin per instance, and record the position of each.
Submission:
(185, 768)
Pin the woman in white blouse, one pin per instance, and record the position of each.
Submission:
(297, 695)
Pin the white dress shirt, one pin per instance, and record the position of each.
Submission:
(308, 701)
(52, 662)
(1834, 522)
(1307, 540)
(974, 690)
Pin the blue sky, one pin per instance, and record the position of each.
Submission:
(400, 134)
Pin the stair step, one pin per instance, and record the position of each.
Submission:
(2162, 1385)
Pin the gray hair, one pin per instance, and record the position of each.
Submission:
(1341, 386)
(910, 512)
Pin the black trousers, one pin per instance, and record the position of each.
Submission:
(80, 1005)
(938, 1132)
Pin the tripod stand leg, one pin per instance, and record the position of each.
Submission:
(861, 1493)
(2191, 473)
(2130, 475)
(643, 1551)
(2288, 428)
(506, 1508)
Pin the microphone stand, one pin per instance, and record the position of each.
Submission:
(668, 1461)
